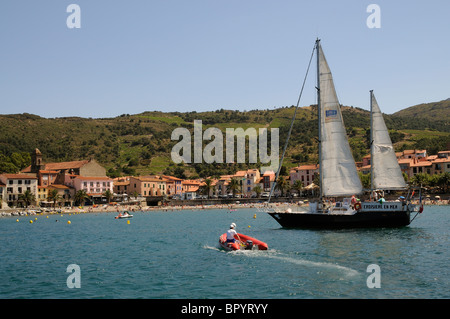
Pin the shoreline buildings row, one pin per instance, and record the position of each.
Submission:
(67, 178)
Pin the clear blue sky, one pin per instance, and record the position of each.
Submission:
(184, 55)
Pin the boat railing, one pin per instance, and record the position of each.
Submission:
(282, 209)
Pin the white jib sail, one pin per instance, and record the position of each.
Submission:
(339, 174)
(385, 169)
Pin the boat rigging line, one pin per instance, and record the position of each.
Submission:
(290, 128)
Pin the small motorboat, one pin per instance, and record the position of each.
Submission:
(246, 243)
(124, 215)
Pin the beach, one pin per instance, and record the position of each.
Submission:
(32, 211)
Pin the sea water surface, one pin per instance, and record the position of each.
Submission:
(175, 254)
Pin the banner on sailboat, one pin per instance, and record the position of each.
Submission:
(331, 115)
(375, 206)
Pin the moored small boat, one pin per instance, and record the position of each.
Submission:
(246, 243)
(124, 215)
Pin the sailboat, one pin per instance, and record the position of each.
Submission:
(339, 178)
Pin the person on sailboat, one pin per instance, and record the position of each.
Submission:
(231, 233)
(375, 196)
(353, 201)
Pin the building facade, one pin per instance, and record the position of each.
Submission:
(304, 173)
(16, 185)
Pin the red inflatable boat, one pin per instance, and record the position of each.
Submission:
(247, 243)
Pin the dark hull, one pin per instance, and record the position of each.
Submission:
(335, 221)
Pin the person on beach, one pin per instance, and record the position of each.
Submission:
(231, 233)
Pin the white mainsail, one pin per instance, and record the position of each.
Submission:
(338, 169)
(386, 173)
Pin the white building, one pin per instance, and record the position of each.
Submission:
(17, 184)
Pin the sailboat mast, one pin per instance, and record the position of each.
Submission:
(319, 117)
(371, 143)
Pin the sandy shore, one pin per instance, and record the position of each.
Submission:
(132, 208)
(116, 209)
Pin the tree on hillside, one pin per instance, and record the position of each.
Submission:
(365, 180)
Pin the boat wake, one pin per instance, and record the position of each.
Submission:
(274, 254)
(212, 248)
(324, 265)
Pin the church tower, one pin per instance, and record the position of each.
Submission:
(36, 161)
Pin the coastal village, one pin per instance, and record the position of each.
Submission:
(85, 182)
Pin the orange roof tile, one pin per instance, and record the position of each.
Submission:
(441, 160)
(58, 186)
(421, 163)
(48, 172)
(240, 173)
(172, 178)
(89, 178)
(65, 165)
(305, 167)
(19, 176)
(121, 183)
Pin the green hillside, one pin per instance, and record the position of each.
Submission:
(141, 144)
(436, 111)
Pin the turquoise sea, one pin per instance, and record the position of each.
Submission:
(175, 255)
